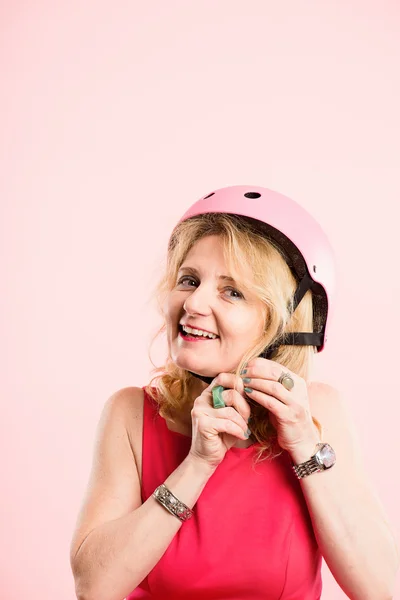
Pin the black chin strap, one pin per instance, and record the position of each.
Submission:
(288, 339)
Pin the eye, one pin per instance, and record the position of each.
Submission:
(235, 294)
(239, 294)
(186, 278)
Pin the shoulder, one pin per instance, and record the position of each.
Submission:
(326, 402)
(325, 399)
(127, 403)
(126, 397)
(320, 391)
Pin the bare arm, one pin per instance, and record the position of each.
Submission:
(119, 539)
(350, 524)
(119, 554)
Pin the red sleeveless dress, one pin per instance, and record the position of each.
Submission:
(250, 537)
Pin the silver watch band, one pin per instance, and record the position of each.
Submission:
(307, 468)
(310, 466)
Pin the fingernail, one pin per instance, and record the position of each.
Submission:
(243, 371)
(248, 390)
(246, 379)
(248, 433)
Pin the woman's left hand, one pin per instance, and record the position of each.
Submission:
(290, 412)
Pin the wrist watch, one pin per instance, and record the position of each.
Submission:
(324, 458)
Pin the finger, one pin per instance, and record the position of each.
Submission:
(227, 380)
(219, 384)
(272, 388)
(232, 398)
(221, 397)
(280, 410)
(268, 369)
(230, 413)
(258, 366)
(215, 425)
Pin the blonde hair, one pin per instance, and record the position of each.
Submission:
(272, 281)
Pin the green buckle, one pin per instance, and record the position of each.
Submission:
(217, 398)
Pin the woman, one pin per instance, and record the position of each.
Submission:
(235, 474)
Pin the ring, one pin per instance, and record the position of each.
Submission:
(286, 380)
(217, 397)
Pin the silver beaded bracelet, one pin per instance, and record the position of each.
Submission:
(171, 503)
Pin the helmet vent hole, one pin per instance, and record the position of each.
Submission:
(252, 195)
(212, 194)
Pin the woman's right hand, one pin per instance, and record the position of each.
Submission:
(216, 430)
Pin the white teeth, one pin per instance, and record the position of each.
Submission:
(199, 332)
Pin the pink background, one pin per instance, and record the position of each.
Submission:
(115, 116)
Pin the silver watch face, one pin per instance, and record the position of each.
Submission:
(326, 456)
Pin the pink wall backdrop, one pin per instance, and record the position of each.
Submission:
(114, 117)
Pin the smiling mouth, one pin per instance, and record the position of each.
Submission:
(186, 335)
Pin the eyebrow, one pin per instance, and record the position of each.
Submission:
(195, 272)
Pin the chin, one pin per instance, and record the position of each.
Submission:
(195, 366)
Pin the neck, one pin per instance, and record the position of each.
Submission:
(196, 388)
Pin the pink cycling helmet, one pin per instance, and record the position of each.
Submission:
(304, 244)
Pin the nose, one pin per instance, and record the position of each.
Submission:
(198, 302)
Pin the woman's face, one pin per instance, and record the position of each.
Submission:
(205, 297)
